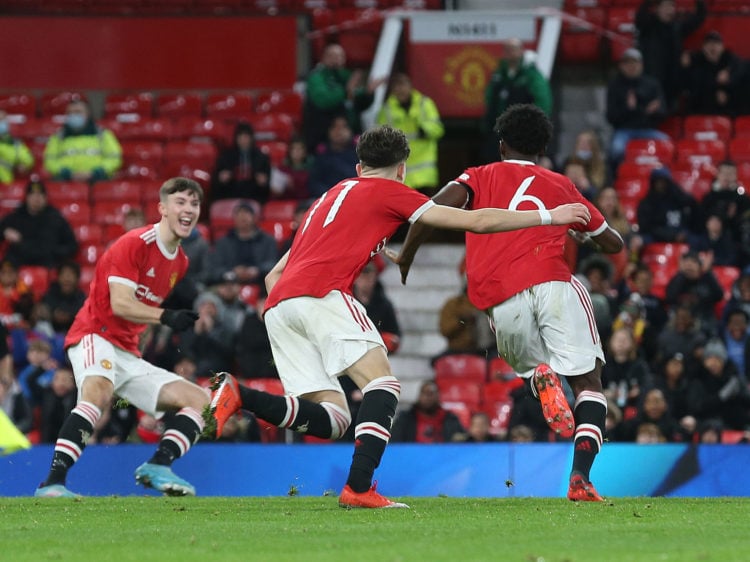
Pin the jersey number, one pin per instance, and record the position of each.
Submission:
(333, 211)
(520, 196)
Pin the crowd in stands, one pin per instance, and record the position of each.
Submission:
(673, 308)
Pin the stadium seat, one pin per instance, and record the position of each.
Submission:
(280, 230)
(499, 390)
(272, 127)
(249, 294)
(644, 151)
(499, 369)
(36, 130)
(197, 154)
(664, 252)
(620, 20)
(276, 151)
(693, 183)
(459, 389)
(89, 254)
(220, 215)
(631, 188)
(190, 170)
(579, 41)
(76, 213)
(499, 414)
(142, 152)
(110, 212)
(89, 233)
(700, 152)
(230, 106)
(279, 209)
(268, 433)
(141, 129)
(739, 149)
(280, 101)
(112, 232)
(36, 277)
(61, 192)
(726, 275)
(179, 105)
(122, 191)
(464, 366)
(55, 103)
(140, 103)
(18, 104)
(707, 127)
(87, 276)
(742, 126)
(139, 171)
(15, 191)
(636, 170)
(461, 410)
(630, 208)
(199, 129)
(672, 125)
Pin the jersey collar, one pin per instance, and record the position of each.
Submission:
(522, 162)
(162, 248)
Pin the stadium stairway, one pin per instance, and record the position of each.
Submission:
(585, 107)
(434, 277)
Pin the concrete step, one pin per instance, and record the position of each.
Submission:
(407, 299)
(418, 321)
(422, 344)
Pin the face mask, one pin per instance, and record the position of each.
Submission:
(3, 127)
(76, 121)
(584, 154)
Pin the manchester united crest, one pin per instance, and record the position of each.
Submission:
(106, 364)
(172, 280)
(467, 72)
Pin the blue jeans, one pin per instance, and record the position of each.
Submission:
(621, 137)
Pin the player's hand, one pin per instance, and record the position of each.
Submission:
(403, 264)
(572, 213)
(178, 320)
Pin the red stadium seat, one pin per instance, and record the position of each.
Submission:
(220, 215)
(630, 207)
(122, 191)
(280, 209)
(643, 151)
(638, 170)
(61, 192)
(179, 105)
(110, 212)
(36, 277)
(198, 154)
(726, 275)
(140, 103)
(89, 233)
(268, 433)
(465, 366)
(36, 130)
(190, 170)
(742, 126)
(664, 252)
(276, 151)
(461, 410)
(693, 184)
(280, 230)
(499, 414)
(76, 213)
(141, 129)
(234, 105)
(249, 294)
(672, 125)
(579, 41)
(55, 103)
(142, 152)
(89, 254)
(739, 149)
(620, 20)
(200, 129)
(700, 152)
(279, 101)
(707, 127)
(499, 390)
(631, 188)
(499, 369)
(459, 389)
(18, 104)
(273, 127)
(87, 276)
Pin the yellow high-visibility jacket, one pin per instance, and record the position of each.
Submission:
(422, 125)
(13, 154)
(83, 153)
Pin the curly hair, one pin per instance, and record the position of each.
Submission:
(382, 147)
(525, 128)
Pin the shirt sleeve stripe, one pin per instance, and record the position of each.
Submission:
(599, 230)
(122, 281)
(419, 212)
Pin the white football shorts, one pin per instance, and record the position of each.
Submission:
(135, 379)
(549, 323)
(314, 340)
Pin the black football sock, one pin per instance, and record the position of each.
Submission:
(181, 433)
(372, 430)
(325, 420)
(71, 441)
(590, 413)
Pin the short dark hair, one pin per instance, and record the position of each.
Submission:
(382, 147)
(178, 185)
(525, 128)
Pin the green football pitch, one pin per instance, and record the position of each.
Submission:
(283, 529)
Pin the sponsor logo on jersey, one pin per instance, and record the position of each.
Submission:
(150, 273)
(145, 294)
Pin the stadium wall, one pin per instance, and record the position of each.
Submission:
(455, 470)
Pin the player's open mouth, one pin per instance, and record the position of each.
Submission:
(186, 221)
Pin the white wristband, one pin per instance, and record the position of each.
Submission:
(546, 217)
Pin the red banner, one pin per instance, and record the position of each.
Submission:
(148, 53)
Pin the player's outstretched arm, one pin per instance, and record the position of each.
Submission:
(608, 241)
(275, 273)
(486, 221)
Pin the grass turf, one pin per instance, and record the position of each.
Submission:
(140, 529)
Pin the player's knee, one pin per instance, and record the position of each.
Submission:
(341, 419)
(98, 391)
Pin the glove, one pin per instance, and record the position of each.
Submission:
(730, 389)
(178, 320)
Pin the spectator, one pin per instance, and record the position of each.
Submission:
(521, 434)
(242, 170)
(737, 341)
(632, 316)
(588, 149)
(696, 286)
(681, 335)
(575, 171)
(14, 405)
(740, 298)
(417, 116)
(15, 156)
(672, 379)
(728, 200)
(667, 213)
(58, 399)
(228, 290)
(711, 77)
(479, 429)
(459, 325)
(64, 298)
(596, 276)
(36, 232)
(716, 242)
(299, 214)
(290, 180)
(335, 160)
(334, 90)
(253, 349)
(133, 218)
(427, 421)
(635, 105)
(661, 33)
(608, 203)
(38, 372)
(625, 375)
(16, 298)
(717, 392)
(641, 282)
(81, 150)
(246, 249)
(514, 81)
(211, 340)
(653, 410)
(526, 413)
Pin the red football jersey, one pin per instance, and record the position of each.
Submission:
(138, 259)
(503, 264)
(341, 232)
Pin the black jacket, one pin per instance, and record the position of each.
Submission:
(646, 89)
(245, 169)
(47, 238)
(701, 86)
